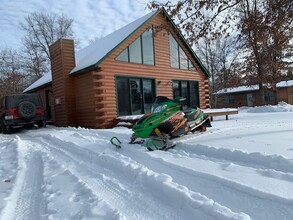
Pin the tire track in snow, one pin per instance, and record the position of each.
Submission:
(276, 163)
(26, 200)
(87, 205)
(8, 167)
(155, 181)
(76, 200)
(97, 179)
(235, 194)
(200, 181)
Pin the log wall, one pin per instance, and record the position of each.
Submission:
(105, 94)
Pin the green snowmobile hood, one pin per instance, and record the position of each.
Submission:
(145, 125)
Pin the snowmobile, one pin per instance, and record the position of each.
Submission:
(168, 119)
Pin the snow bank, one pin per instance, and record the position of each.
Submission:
(281, 107)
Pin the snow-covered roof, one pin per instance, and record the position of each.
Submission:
(285, 84)
(94, 53)
(47, 78)
(238, 89)
(252, 87)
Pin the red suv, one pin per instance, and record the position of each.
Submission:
(21, 110)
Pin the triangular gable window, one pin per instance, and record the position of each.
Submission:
(178, 57)
(140, 51)
(123, 56)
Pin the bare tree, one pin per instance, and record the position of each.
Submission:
(264, 28)
(12, 78)
(42, 30)
(220, 59)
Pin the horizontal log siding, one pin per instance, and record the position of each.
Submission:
(285, 95)
(62, 62)
(85, 102)
(290, 95)
(105, 94)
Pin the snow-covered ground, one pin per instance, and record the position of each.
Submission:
(238, 169)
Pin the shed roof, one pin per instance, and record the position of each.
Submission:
(285, 83)
(239, 89)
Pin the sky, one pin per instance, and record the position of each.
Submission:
(238, 169)
(92, 18)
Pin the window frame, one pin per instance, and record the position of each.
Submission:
(141, 79)
(141, 49)
(188, 101)
(188, 60)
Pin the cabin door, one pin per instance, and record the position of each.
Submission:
(48, 104)
(141, 95)
(249, 98)
(134, 95)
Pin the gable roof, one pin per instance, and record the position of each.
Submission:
(92, 55)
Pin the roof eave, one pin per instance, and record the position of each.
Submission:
(85, 70)
(39, 87)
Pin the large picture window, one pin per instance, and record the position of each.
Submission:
(134, 95)
(178, 57)
(188, 90)
(140, 51)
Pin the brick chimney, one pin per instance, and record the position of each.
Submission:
(62, 62)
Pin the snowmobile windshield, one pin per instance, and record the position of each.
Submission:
(161, 99)
(157, 106)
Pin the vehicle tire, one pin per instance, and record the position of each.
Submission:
(27, 109)
(41, 124)
(6, 129)
(3, 130)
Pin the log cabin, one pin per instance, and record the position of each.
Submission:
(250, 95)
(121, 74)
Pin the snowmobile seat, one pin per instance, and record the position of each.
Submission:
(190, 114)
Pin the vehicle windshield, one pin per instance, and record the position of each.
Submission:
(160, 99)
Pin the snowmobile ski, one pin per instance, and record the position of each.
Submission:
(116, 142)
